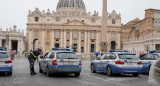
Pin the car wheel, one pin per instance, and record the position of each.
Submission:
(9, 73)
(92, 69)
(76, 74)
(136, 74)
(109, 71)
(48, 72)
(40, 70)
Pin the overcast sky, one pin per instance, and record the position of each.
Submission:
(14, 12)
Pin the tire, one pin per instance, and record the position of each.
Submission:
(76, 74)
(48, 72)
(136, 74)
(40, 70)
(92, 69)
(109, 71)
(9, 73)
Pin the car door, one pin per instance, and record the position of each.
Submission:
(147, 62)
(104, 62)
(43, 61)
(97, 63)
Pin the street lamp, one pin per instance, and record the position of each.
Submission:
(34, 42)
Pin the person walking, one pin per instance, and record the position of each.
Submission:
(154, 74)
(32, 56)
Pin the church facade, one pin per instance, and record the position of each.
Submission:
(73, 27)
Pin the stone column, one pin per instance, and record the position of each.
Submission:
(119, 44)
(97, 41)
(65, 38)
(61, 45)
(89, 41)
(0, 42)
(52, 40)
(79, 42)
(30, 42)
(19, 45)
(43, 41)
(9, 46)
(71, 39)
(22, 45)
(85, 41)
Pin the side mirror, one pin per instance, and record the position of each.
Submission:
(41, 57)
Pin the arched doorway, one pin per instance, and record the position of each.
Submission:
(92, 48)
(113, 45)
(57, 45)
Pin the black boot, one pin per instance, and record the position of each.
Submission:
(31, 71)
(34, 71)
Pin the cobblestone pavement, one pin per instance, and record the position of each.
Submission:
(21, 77)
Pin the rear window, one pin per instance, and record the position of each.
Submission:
(127, 56)
(3, 55)
(66, 55)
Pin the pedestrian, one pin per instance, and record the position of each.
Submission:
(154, 74)
(32, 56)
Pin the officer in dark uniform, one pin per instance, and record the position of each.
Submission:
(32, 56)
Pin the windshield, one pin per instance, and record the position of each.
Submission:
(127, 56)
(66, 55)
(3, 55)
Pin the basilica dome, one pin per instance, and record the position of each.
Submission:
(71, 4)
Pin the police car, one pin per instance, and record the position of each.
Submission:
(60, 60)
(117, 62)
(148, 59)
(5, 62)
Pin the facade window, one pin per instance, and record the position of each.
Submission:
(113, 35)
(137, 36)
(36, 34)
(92, 35)
(48, 20)
(113, 21)
(57, 34)
(67, 35)
(36, 19)
(75, 34)
(82, 49)
(82, 35)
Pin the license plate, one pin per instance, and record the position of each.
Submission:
(65, 63)
(129, 63)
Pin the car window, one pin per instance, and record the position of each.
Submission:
(66, 55)
(156, 57)
(46, 55)
(149, 57)
(106, 56)
(127, 56)
(112, 56)
(3, 55)
(142, 57)
(51, 55)
(103, 56)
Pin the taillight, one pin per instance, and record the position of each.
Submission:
(54, 62)
(139, 63)
(119, 62)
(9, 61)
(80, 63)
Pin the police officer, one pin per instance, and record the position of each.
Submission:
(32, 56)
